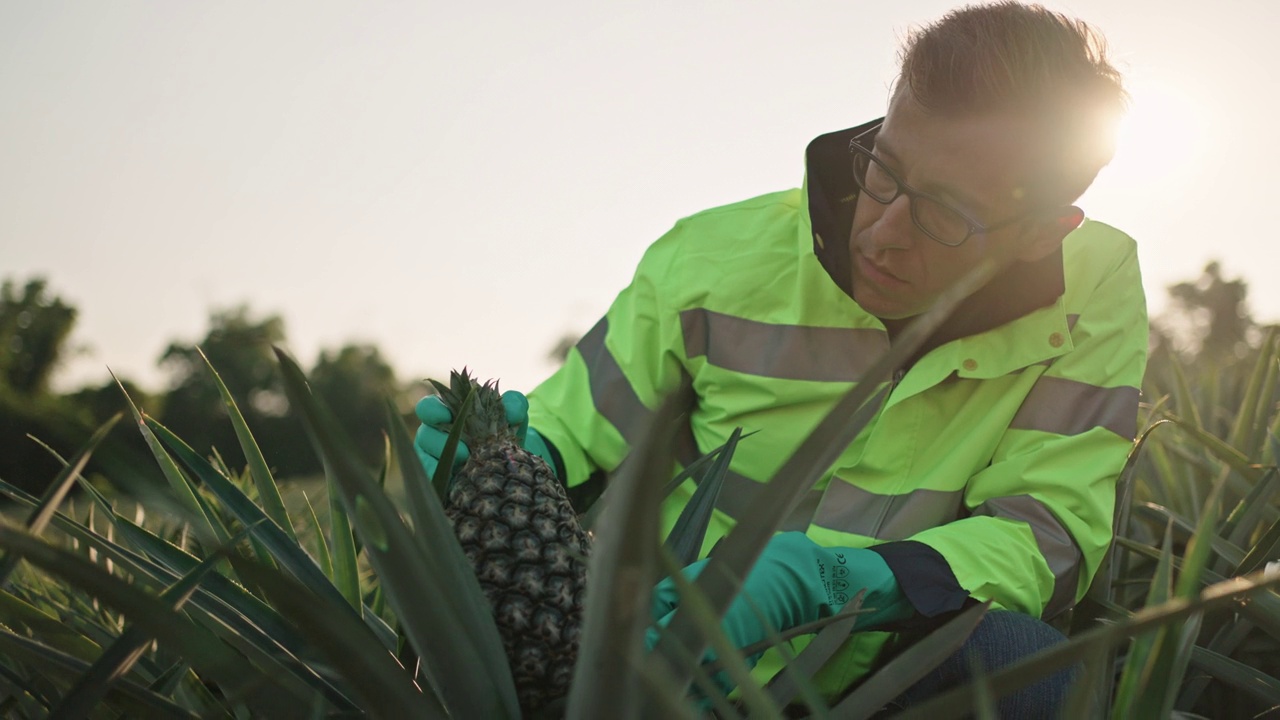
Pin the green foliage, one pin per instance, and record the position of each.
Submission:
(34, 327)
(151, 625)
(232, 601)
(1205, 482)
(1210, 321)
(35, 324)
(239, 346)
(353, 381)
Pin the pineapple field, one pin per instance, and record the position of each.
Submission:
(219, 595)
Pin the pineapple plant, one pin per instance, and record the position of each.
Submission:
(515, 525)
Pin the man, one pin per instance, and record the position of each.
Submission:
(988, 473)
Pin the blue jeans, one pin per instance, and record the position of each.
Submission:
(1002, 638)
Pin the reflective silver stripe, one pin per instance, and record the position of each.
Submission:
(1068, 407)
(851, 509)
(738, 491)
(1055, 543)
(790, 352)
(617, 402)
(611, 392)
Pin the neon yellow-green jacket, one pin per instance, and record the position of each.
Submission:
(989, 472)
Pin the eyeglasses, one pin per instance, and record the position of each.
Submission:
(935, 218)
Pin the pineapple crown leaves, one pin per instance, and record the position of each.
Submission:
(487, 417)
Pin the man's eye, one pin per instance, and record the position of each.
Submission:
(879, 179)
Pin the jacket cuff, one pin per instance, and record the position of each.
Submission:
(557, 462)
(924, 576)
(583, 495)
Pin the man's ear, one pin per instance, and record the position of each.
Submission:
(1047, 234)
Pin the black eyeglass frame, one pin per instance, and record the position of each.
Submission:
(857, 149)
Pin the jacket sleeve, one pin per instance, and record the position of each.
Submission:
(595, 406)
(1040, 514)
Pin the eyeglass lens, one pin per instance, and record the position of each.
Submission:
(937, 220)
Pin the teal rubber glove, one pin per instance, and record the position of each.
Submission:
(432, 434)
(794, 582)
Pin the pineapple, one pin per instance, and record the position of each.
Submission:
(516, 526)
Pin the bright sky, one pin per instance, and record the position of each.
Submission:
(462, 183)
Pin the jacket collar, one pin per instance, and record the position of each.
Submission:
(831, 196)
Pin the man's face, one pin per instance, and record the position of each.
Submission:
(979, 164)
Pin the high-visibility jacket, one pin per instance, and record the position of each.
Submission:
(989, 471)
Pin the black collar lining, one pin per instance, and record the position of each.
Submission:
(1022, 288)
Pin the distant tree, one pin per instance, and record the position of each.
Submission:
(356, 382)
(238, 346)
(1209, 320)
(1208, 342)
(34, 326)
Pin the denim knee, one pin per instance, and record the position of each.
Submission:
(1002, 638)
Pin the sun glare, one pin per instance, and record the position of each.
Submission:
(1160, 139)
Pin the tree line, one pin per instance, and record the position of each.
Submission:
(35, 325)
(1208, 327)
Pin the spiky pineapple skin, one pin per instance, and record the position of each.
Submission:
(516, 526)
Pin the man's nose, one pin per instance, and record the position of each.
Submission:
(894, 229)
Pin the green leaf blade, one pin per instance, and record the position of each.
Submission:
(455, 637)
(268, 492)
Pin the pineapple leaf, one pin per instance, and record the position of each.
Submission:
(1270, 355)
(729, 659)
(54, 494)
(1236, 674)
(268, 492)
(346, 570)
(1268, 547)
(690, 530)
(384, 688)
(257, 628)
(1183, 528)
(121, 655)
(1145, 648)
(1244, 518)
(181, 488)
(457, 640)
(322, 546)
(592, 515)
(213, 658)
(1221, 450)
(413, 475)
(1083, 646)
(126, 695)
(251, 622)
(1183, 399)
(444, 470)
(1242, 428)
(51, 629)
(283, 549)
(623, 570)
(913, 664)
(447, 567)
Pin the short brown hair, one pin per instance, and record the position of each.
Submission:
(1026, 58)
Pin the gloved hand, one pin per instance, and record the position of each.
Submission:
(794, 582)
(432, 434)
